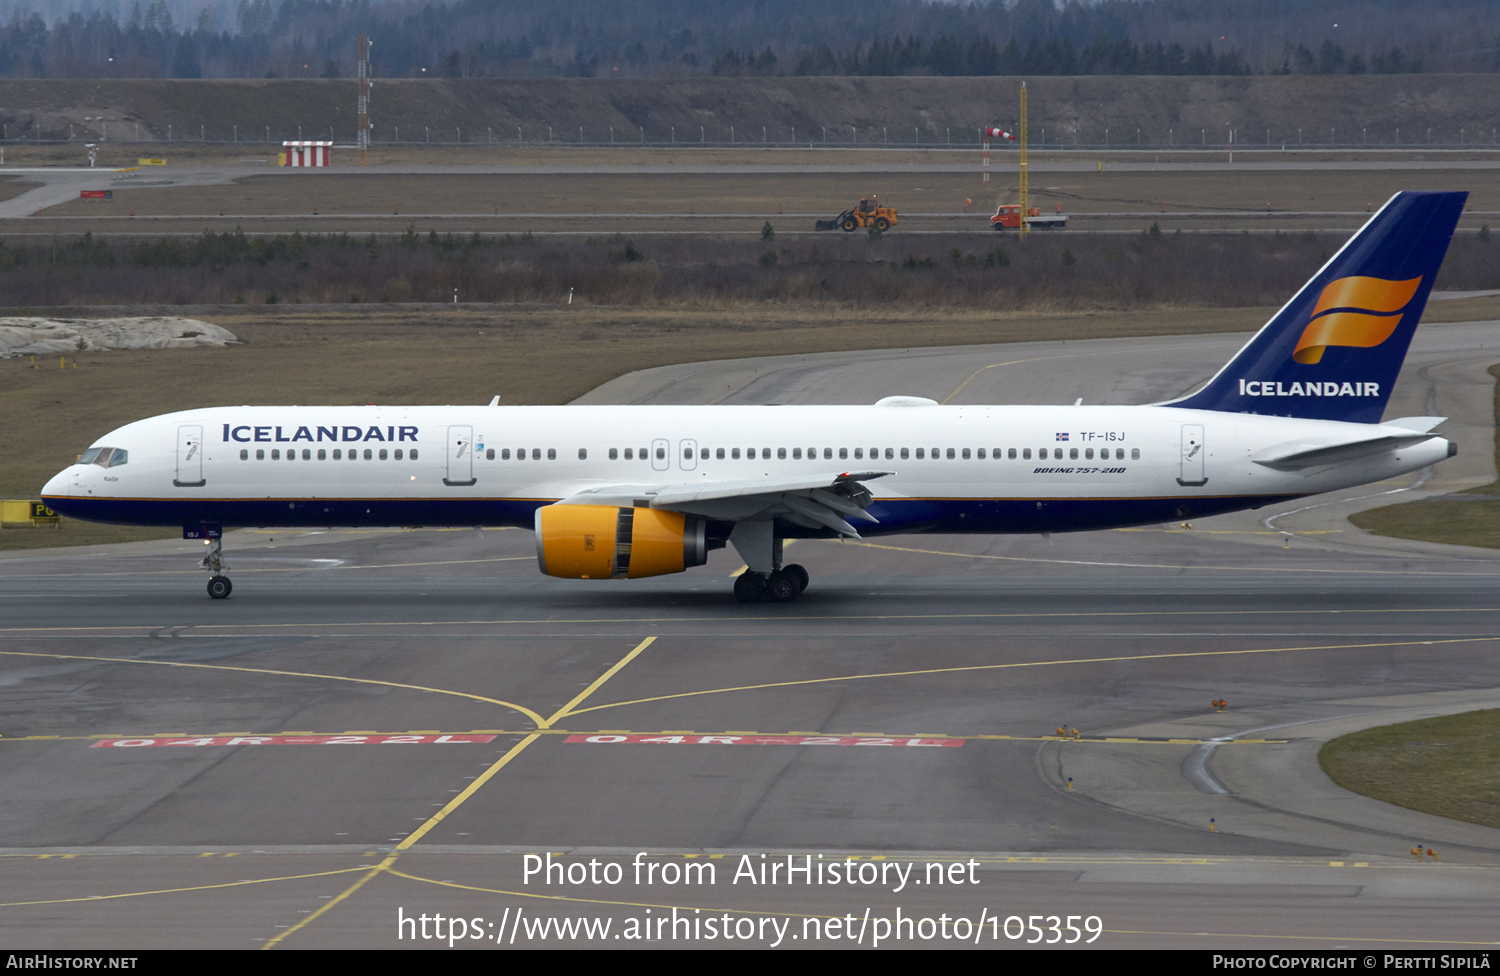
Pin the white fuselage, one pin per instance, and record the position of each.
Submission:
(953, 468)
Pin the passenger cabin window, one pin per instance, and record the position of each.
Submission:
(489, 454)
(950, 453)
(382, 454)
(1135, 454)
(1026, 454)
(276, 454)
(398, 454)
(583, 454)
(718, 454)
(244, 454)
(260, 454)
(322, 454)
(904, 453)
(1073, 453)
(369, 455)
(781, 453)
(614, 454)
(734, 454)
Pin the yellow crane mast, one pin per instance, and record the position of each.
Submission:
(1025, 182)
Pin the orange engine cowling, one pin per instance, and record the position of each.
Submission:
(604, 542)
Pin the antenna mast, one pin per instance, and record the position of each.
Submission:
(364, 100)
(1025, 173)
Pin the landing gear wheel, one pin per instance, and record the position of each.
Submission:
(749, 587)
(783, 587)
(799, 574)
(219, 587)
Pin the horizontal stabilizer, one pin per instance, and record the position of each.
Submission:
(1298, 455)
(1421, 425)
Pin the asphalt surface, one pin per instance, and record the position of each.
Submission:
(902, 712)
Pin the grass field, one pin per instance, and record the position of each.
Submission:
(1448, 766)
(1474, 521)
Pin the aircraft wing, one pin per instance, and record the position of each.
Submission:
(826, 500)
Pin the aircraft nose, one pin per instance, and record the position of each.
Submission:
(57, 485)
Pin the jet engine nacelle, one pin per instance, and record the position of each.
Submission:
(604, 542)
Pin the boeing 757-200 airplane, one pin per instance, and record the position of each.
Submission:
(632, 491)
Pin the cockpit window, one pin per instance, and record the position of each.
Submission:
(105, 457)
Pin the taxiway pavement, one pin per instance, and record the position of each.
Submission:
(903, 711)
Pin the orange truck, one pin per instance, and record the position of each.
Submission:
(1008, 217)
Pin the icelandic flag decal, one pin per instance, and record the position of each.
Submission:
(1062, 437)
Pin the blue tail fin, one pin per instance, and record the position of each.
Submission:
(1333, 351)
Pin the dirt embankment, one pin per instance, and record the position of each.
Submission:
(1320, 110)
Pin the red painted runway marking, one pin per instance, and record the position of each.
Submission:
(295, 740)
(759, 740)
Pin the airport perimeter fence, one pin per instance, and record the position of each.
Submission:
(842, 137)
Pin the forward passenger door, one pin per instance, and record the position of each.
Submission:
(189, 457)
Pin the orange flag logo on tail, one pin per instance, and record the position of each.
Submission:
(1354, 311)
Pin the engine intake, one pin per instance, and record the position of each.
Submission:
(604, 542)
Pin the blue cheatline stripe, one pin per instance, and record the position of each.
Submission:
(961, 515)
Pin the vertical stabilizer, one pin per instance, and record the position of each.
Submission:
(1334, 350)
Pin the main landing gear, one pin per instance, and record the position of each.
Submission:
(218, 584)
(781, 586)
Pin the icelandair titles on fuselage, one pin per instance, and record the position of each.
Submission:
(1331, 388)
(274, 435)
